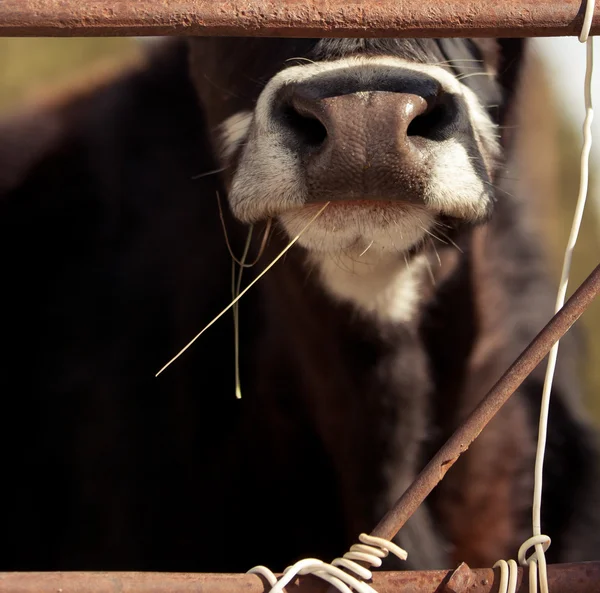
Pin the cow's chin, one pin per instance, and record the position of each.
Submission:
(359, 226)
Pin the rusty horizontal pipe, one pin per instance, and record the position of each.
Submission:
(295, 18)
(581, 577)
(498, 395)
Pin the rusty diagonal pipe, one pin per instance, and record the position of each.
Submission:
(498, 395)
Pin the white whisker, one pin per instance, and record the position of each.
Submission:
(213, 172)
(367, 248)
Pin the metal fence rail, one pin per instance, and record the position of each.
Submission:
(295, 18)
(563, 578)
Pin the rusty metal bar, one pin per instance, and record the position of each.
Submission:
(460, 441)
(563, 578)
(295, 18)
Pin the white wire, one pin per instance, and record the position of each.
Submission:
(371, 551)
(508, 576)
(540, 542)
(509, 570)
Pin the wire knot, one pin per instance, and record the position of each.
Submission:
(371, 551)
(509, 569)
(540, 543)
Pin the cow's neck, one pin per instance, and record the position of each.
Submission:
(362, 373)
(385, 288)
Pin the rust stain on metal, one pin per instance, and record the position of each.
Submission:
(295, 18)
(460, 579)
(562, 578)
(435, 470)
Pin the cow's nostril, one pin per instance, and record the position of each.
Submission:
(427, 125)
(434, 123)
(307, 129)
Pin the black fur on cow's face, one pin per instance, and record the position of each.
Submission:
(396, 134)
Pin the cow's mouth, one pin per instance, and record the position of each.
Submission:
(355, 226)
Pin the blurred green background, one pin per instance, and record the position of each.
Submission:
(548, 157)
(30, 67)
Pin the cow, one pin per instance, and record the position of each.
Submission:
(415, 279)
